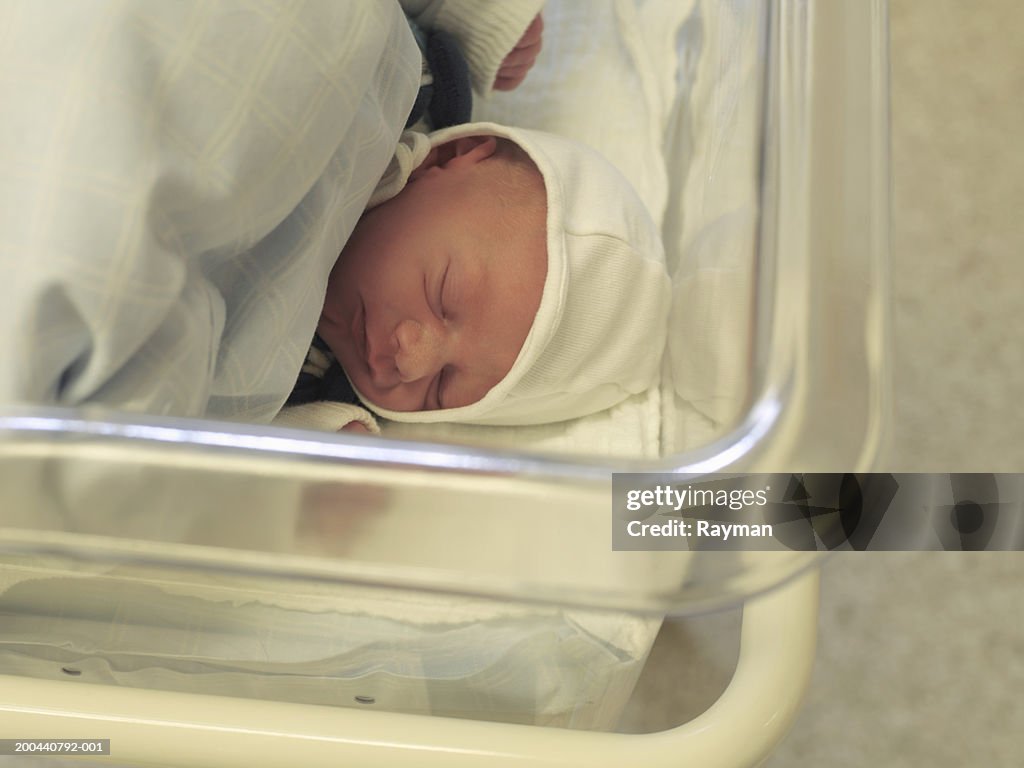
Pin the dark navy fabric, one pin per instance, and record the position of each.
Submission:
(446, 95)
(322, 378)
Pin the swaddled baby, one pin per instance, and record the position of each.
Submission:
(498, 276)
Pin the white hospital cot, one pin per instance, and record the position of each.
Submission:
(213, 594)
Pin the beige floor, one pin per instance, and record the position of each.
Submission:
(958, 234)
(921, 659)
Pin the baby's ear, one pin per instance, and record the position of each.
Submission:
(472, 149)
(456, 153)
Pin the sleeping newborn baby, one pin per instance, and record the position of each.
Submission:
(498, 276)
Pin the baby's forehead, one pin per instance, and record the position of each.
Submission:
(510, 252)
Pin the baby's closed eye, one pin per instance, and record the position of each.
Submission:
(435, 293)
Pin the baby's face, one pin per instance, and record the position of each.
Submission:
(435, 292)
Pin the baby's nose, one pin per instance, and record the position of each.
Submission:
(420, 350)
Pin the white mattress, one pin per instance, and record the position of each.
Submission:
(316, 644)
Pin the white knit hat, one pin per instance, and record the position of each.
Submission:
(599, 332)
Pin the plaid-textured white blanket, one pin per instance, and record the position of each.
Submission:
(176, 181)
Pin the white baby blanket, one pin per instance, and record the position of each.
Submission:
(176, 181)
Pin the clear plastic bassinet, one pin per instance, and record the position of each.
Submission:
(207, 593)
